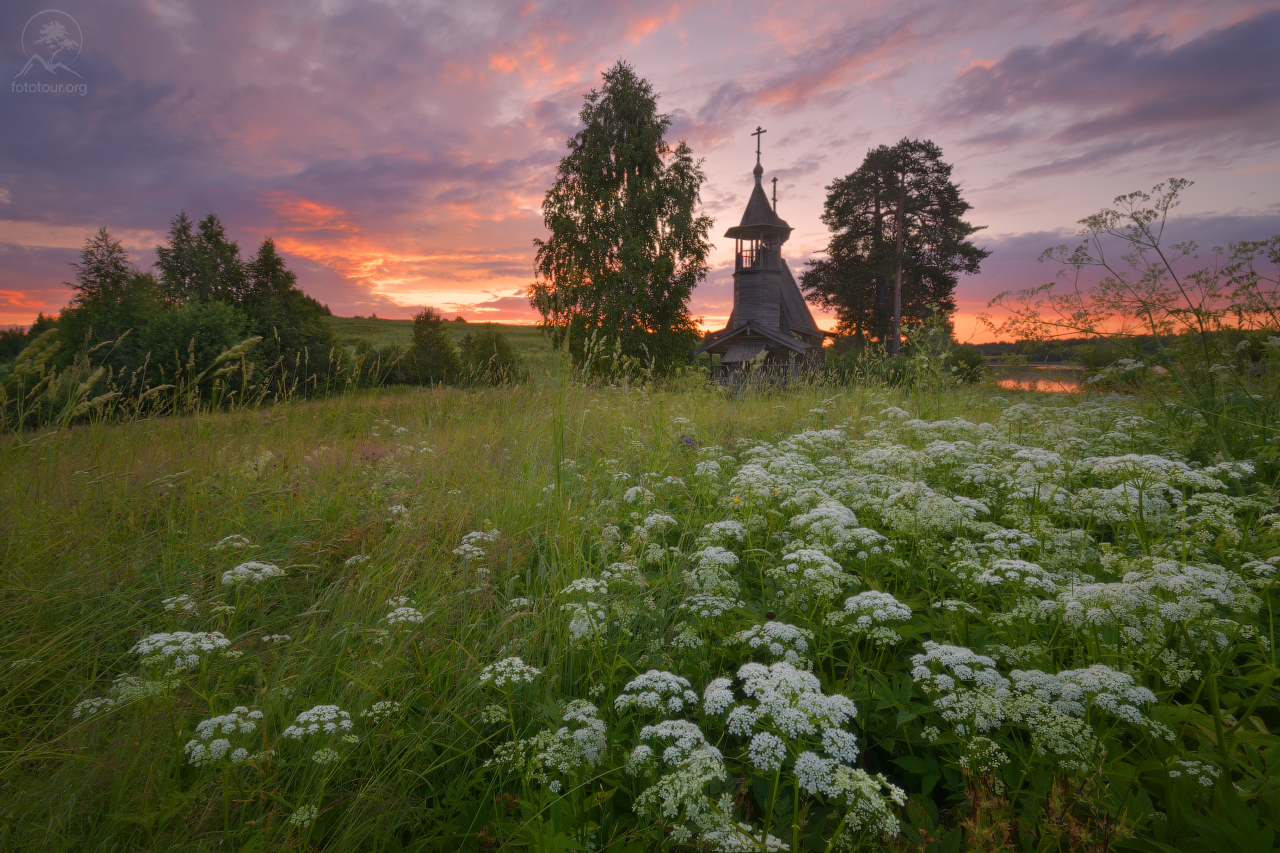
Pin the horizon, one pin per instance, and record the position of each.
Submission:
(411, 174)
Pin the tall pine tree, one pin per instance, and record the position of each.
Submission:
(898, 243)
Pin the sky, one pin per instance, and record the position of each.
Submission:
(398, 152)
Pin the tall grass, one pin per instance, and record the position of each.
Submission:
(361, 499)
(104, 521)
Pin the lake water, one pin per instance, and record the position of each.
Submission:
(1055, 379)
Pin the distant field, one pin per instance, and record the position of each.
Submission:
(529, 341)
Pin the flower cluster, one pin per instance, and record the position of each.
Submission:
(511, 671)
(211, 743)
(322, 719)
(870, 614)
(657, 690)
(183, 649)
(471, 545)
(251, 572)
(779, 639)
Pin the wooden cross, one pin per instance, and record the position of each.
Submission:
(775, 195)
(759, 130)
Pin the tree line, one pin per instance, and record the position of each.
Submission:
(627, 243)
(209, 323)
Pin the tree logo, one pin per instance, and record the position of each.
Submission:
(52, 40)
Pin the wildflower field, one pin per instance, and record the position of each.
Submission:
(556, 619)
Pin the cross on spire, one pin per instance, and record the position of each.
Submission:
(759, 130)
(775, 194)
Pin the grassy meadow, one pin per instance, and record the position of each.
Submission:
(845, 618)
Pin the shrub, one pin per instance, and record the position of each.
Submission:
(489, 358)
(432, 355)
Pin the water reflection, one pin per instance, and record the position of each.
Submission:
(1054, 380)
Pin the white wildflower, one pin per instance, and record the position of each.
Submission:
(779, 639)
(184, 648)
(326, 755)
(322, 719)
(870, 614)
(717, 697)
(638, 494)
(657, 690)
(381, 710)
(471, 546)
(809, 575)
(405, 616)
(710, 606)
(1202, 774)
(181, 604)
(509, 671)
(251, 572)
(303, 816)
(211, 743)
(766, 752)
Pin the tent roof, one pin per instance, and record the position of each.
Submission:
(759, 219)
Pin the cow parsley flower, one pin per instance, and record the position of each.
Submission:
(740, 838)
(405, 616)
(88, 707)
(233, 542)
(657, 690)
(870, 800)
(777, 638)
(830, 521)
(711, 572)
(1199, 772)
(808, 575)
(766, 752)
(682, 795)
(181, 604)
(587, 587)
(511, 671)
(657, 523)
(326, 755)
(183, 648)
(709, 606)
(585, 618)
(788, 702)
(870, 614)
(638, 495)
(381, 710)
(251, 572)
(322, 719)
(303, 816)
(682, 737)
(471, 546)
(356, 560)
(707, 469)
(948, 672)
(211, 743)
(623, 573)
(581, 744)
(717, 697)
